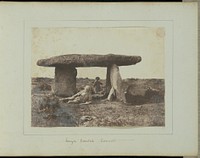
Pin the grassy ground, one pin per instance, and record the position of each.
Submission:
(99, 113)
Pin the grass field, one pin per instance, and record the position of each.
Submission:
(101, 113)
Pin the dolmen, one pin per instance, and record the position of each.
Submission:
(65, 71)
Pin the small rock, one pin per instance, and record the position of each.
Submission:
(86, 118)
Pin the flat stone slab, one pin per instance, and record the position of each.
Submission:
(89, 60)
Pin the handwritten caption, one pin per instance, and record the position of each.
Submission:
(100, 140)
(81, 140)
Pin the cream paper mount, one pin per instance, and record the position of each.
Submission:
(163, 34)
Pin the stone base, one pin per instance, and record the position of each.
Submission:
(65, 81)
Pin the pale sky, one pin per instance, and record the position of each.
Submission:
(144, 41)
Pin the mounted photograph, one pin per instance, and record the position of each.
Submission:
(98, 77)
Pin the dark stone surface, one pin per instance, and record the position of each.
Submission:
(139, 96)
(89, 60)
(65, 81)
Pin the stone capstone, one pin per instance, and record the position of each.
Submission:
(89, 60)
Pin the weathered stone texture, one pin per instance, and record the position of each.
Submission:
(87, 60)
(65, 81)
(116, 83)
(65, 71)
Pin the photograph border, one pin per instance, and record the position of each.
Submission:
(33, 23)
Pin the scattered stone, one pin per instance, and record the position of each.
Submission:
(50, 117)
(86, 118)
(138, 96)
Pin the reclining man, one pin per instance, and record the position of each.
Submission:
(84, 96)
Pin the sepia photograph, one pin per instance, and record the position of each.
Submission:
(98, 77)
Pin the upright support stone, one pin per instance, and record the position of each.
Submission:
(108, 83)
(116, 84)
(65, 81)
